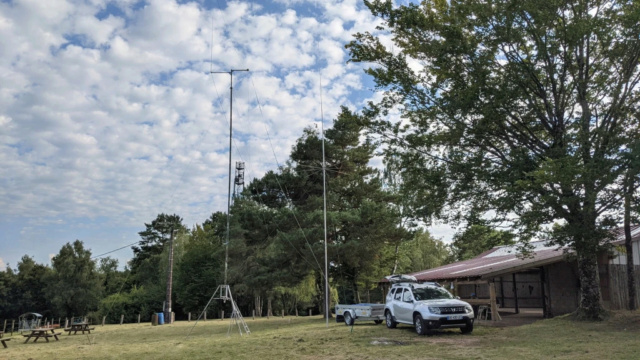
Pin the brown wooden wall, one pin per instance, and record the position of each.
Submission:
(618, 293)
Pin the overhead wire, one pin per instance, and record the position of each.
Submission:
(173, 193)
(235, 144)
(286, 193)
(120, 248)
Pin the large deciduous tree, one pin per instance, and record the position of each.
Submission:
(517, 106)
(422, 252)
(28, 292)
(75, 286)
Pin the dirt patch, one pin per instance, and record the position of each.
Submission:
(384, 341)
(457, 340)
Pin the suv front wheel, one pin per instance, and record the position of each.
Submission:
(421, 327)
(467, 329)
(391, 324)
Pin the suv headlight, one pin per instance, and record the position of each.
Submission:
(468, 308)
(434, 310)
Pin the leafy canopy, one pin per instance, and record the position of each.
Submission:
(524, 108)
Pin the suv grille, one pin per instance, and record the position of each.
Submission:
(453, 310)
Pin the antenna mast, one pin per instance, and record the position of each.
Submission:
(226, 245)
(223, 291)
(324, 197)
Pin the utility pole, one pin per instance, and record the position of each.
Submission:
(226, 245)
(167, 304)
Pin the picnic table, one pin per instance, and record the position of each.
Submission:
(4, 341)
(79, 327)
(41, 333)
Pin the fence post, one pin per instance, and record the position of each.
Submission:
(4, 327)
(189, 320)
(310, 312)
(254, 314)
(222, 315)
(103, 319)
(283, 313)
(12, 322)
(66, 323)
(121, 319)
(205, 316)
(138, 318)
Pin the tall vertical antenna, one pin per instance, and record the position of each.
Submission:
(324, 193)
(223, 291)
(226, 245)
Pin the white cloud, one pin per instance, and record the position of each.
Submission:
(116, 118)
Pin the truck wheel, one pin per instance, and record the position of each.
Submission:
(348, 319)
(389, 320)
(377, 322)
(421, 327)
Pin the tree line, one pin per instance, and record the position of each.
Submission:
(276, 247)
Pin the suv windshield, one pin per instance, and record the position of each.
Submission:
(431, 293)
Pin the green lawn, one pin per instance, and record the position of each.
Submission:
(308, 338)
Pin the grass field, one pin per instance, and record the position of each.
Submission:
(308, 338)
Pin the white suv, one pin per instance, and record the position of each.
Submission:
(427, 306)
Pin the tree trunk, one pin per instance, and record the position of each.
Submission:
(395, 261)
(258, 305)
(590, 305)
(631, 276)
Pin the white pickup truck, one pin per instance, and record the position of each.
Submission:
(364, 312)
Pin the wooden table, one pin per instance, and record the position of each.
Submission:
(4, 341)
(41, 333)
(79, 327)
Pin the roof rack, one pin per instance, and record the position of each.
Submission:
(394, 279)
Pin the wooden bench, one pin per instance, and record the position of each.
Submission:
(4, 342)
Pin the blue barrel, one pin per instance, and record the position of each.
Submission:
(160, 318)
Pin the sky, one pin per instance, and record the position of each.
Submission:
(109, 113)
